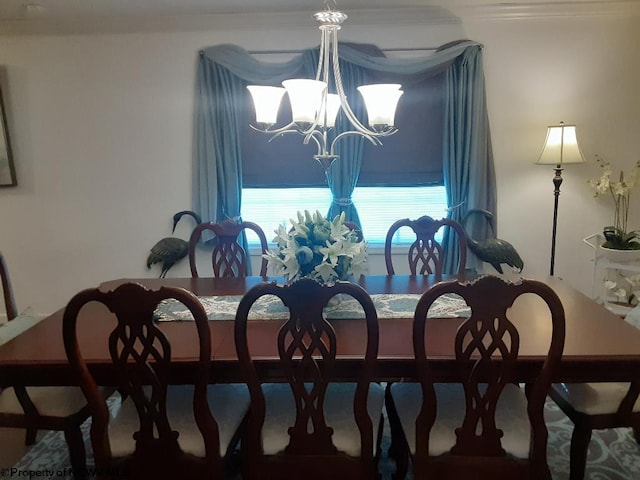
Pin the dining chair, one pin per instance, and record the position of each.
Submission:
(595, 406)
(483, 426)
(160, 430)
(426, 254)
(228, 257)
(309, 426)
(39, 408)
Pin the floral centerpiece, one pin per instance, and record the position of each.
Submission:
(617, 236)
(317, 248)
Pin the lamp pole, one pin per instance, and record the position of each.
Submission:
(557, 181)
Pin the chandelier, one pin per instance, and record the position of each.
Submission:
(314, 110)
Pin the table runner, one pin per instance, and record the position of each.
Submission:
(270, 307)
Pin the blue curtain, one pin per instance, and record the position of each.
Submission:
(468, 158)
(225, 70)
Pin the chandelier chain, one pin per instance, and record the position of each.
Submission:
(332, 2)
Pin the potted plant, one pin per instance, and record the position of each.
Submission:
(617, 236)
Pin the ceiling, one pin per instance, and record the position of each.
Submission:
(95, 16)
(39, 9)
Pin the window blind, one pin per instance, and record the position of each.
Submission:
(412, 156)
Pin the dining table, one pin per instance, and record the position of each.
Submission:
(599, 345)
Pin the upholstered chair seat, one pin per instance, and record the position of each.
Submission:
(51, 401)
(595, 406)
(39, 408)
(227, 402)
(511, 417)
(595, 398)
(280, 413)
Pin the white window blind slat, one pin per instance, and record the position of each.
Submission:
(378, 208)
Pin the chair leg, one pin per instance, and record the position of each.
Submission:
(395, 428)
(579, 448)
(77, 453)
(398, 450)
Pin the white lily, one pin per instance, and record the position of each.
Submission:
(310, 235)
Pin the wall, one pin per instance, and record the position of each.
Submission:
(101, 127)
(539, 72)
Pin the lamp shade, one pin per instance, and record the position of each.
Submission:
(266, 101)
(333, 107)
(381, 101)
(561, 146)
(306, 97)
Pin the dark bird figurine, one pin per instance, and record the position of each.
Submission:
(170, 250)
(493, 250)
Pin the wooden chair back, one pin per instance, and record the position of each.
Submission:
(426, 254)
(486, 350)
(141, 357)
(307, 347)
(228, 257)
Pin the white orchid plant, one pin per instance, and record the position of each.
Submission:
(617, 236)
(626, 290)
(317, 248)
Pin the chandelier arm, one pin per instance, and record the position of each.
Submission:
(343, 97)
(312, 136)
(375, 141)
(322, 56)
(321, 142)
(311, 129)
(280, 133)
(290, 127)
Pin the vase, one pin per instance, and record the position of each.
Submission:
(620, 256)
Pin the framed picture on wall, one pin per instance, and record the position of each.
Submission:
(7, 169)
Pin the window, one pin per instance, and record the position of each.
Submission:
(378, 208)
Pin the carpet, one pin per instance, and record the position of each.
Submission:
(613, 454)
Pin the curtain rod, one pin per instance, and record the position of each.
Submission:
(409, 49)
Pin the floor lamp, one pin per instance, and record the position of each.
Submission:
(560, 148)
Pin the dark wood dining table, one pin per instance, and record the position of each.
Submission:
(599, 345)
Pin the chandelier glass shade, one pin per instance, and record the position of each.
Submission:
(314, 110)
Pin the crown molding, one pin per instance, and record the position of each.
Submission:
(62, 25)
(427, 15)
(548, 10)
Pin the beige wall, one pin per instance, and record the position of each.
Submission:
(101, 126)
